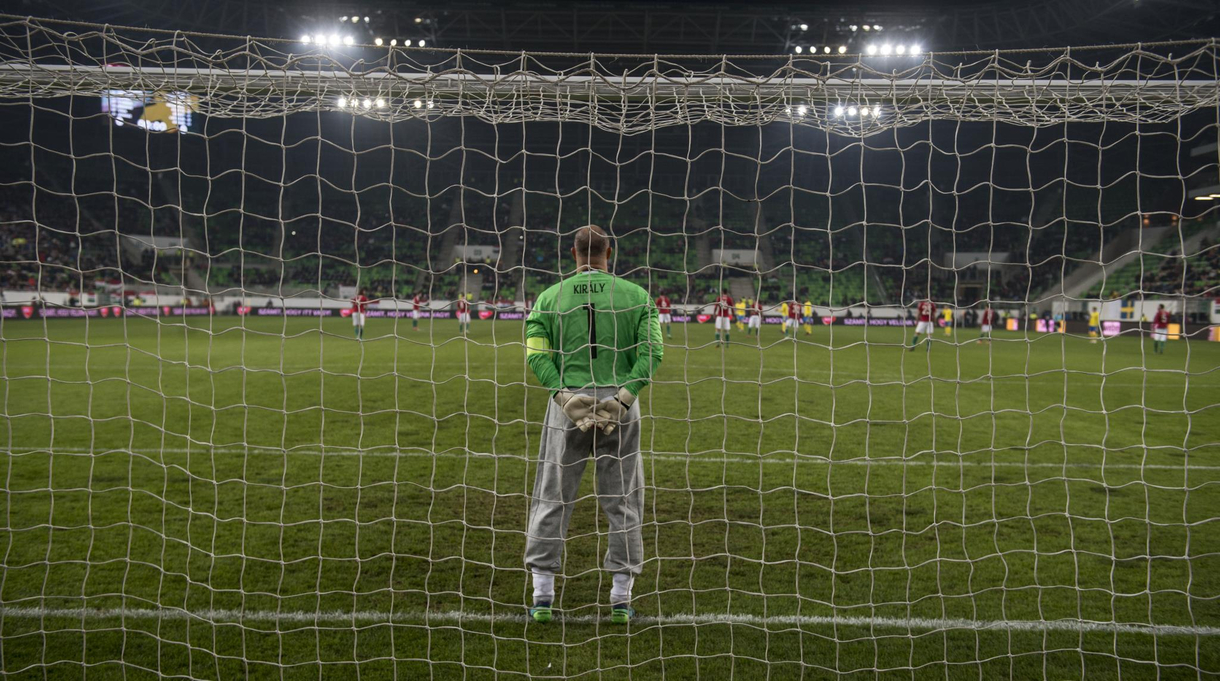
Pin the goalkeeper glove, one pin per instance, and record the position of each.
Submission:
(610, 412)
(578, 408)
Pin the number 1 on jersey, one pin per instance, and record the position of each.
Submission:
(592, 330)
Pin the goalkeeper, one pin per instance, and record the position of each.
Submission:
(594, 341)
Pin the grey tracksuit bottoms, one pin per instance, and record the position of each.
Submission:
(620, 488)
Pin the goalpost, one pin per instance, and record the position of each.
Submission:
(207, 473)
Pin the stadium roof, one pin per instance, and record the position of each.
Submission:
(672, 27)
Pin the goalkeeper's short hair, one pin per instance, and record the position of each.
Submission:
(591, 241)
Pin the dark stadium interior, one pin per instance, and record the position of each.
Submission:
(311, 203)
(674, 27)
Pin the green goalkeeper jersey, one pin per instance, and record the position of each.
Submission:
(594, 330)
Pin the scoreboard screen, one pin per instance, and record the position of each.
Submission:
(155, 111)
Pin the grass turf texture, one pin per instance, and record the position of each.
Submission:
(1032, 479)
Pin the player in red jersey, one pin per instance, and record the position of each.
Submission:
(665, 314)
(360, 305)
(927, 312)
(463, 314)
(1160, 329)
(754, 315)
(988, 320)
(417, 304)
(793, 318)
(724, 314)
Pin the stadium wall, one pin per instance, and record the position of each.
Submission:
(32, 305)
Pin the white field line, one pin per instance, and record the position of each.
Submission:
(405, 453)
(366, 617)
(1077, 379)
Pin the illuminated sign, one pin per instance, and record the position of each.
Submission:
(155, 111)
(331, 312)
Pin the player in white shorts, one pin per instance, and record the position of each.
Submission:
(724, 315)
(463, 314)
(417, 302)
(985, 327)
(754, 326)
(359, 305)
(664, 314)
(792, 320)
(927, 312)
(1160, 330)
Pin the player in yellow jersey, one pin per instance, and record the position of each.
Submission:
(740, 308)
(946, 316)
(1094, 325)
(807, 317)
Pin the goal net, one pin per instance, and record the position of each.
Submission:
(215, 464)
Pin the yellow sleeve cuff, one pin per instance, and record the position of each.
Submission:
(535, 345)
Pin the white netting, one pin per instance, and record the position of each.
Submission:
(251, 78)
(232, 485)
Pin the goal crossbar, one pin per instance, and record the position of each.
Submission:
(501, 97)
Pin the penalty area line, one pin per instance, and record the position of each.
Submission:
(650, 456)
(423, 617)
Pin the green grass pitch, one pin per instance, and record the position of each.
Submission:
(272, 499)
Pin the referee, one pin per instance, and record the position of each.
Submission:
(594, 340)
